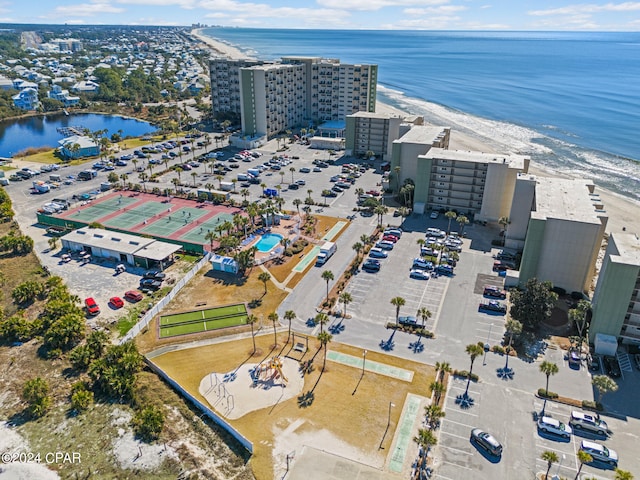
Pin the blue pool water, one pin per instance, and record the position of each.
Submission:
(268, 241)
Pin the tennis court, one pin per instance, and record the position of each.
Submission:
(197, 235)
(129, 217)
(202, 320)
(175, 220)
(95, 211)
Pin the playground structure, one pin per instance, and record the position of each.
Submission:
(268, 371)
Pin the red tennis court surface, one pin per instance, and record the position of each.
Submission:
(140, 213)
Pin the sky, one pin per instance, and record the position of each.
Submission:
(594, 15)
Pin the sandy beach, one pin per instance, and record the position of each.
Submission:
(623, 212)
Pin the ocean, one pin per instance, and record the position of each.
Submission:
(570, 100)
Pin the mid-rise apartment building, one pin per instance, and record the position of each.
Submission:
(616, 300)
(306, 91)
(368, 132)
(561, 227)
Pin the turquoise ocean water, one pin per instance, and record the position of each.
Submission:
(570, 100)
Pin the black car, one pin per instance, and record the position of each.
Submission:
(155, 274)
(493, 306)
(407, 320)
(371, 265)
(612, 367)
(150, 284)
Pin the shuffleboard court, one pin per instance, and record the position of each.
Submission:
(137, 215)
(94, 212)
(207, 313)
(198, 233)
(203, 326)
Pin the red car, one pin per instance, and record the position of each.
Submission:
(133, 296)
(92, 306)
(390, 238)
(116, 302)
(375, 193)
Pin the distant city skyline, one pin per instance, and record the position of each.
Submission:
(542, 15)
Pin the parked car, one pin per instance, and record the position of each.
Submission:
(495, 292)
(434, 215)
(600, 452)
(376, 252)
(419, 274)
(155, 274)
(385, 245)
(116, 302)
(612, 367)
(294, 186)
(574, 357)
(408, 320)
(91, 306)
(589, 422)
(185, 166)
(396, 232)
(551, 425)
(133, 295)
(390, 238)
(444, 269)
(150, 284)
(636, 359)
(492, 306)
(422, 264)
(371, 265)
(305, 170)
(486, 441)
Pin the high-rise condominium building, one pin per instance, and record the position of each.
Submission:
(296, 91)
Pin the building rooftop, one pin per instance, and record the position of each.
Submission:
(628, 245)
(425, 135)
(565, 199)
(363, 114)
(514, 161)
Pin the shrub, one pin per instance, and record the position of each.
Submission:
(498, 349)
(148, 422)
(465, 374)
(592, 405)
(545, 394)
(36, 394)
(81, 397)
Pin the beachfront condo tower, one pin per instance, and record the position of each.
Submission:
(272, 97)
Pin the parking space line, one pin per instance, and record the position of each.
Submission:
(459, 451)
(453, 435)
(448, 420)
(466, 412)
(442, 476)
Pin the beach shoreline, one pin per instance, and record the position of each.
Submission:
(622, 211)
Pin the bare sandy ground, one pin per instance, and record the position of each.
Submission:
(233, 394)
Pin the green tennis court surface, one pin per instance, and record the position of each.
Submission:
(131, 217)
(202, 320)
(199, 231)
(95, 211)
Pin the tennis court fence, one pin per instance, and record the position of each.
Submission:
(144, 321)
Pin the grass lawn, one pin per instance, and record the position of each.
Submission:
(209, 313)
(357, 419)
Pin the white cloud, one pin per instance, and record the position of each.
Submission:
(440, 10)
(376, 4)
(588, 8)
(187, 4)
(86, 10)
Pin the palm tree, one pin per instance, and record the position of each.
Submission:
(548, 368)
(175, 182)
(289, 315)
(437, 389)
(396, 171)
(346, 299)
(603, 384)
(324, 338)
(462, 221)
(451, 215)
(550, 457)
(583, 457)
(321, 318)
(309, 192)
(425, 314)
(365, 239)
(474, 350)
(358, 247)
(251, 319)
(327, 276)
(292, 170)
(264, 277)
(194, 175)
(434, 414)
(296, 203)
(512, 327)
(425, 439)
(282, 176)
(442, 368)
(398, 302)
(421, 243)
(380, 211)
(273, 316)
(503, 222)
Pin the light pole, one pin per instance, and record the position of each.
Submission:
(560, 464)
(364, 358)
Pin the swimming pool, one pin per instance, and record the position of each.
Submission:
(268, 241)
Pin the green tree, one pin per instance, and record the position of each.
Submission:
(65, 332)
(462, 221)
(534, 304)
(425, 439)
(512, 328)
(273, 317)
(27, 292)
(433, 414)
(324, 338)
(251, 320)
(398, 302)
(583, 457)
(81, 397)
(623, 475)
(442, 368)
(549, 369)
(289, 315)
(425, 314)
(578, 316)
(36, 393)
(327, 276)
(603, 384)
(451, 215)
(345, 299)
(264, 277)
(321, 318)
(114, 373)
(550, 457)
(148, 422)
(474, 350)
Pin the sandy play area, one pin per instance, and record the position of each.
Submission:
(252, 386)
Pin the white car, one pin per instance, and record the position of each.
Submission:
(433, 215)
(419, 274)
(589, 422)
(600, 452)
(376, 252)
(551, 425)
